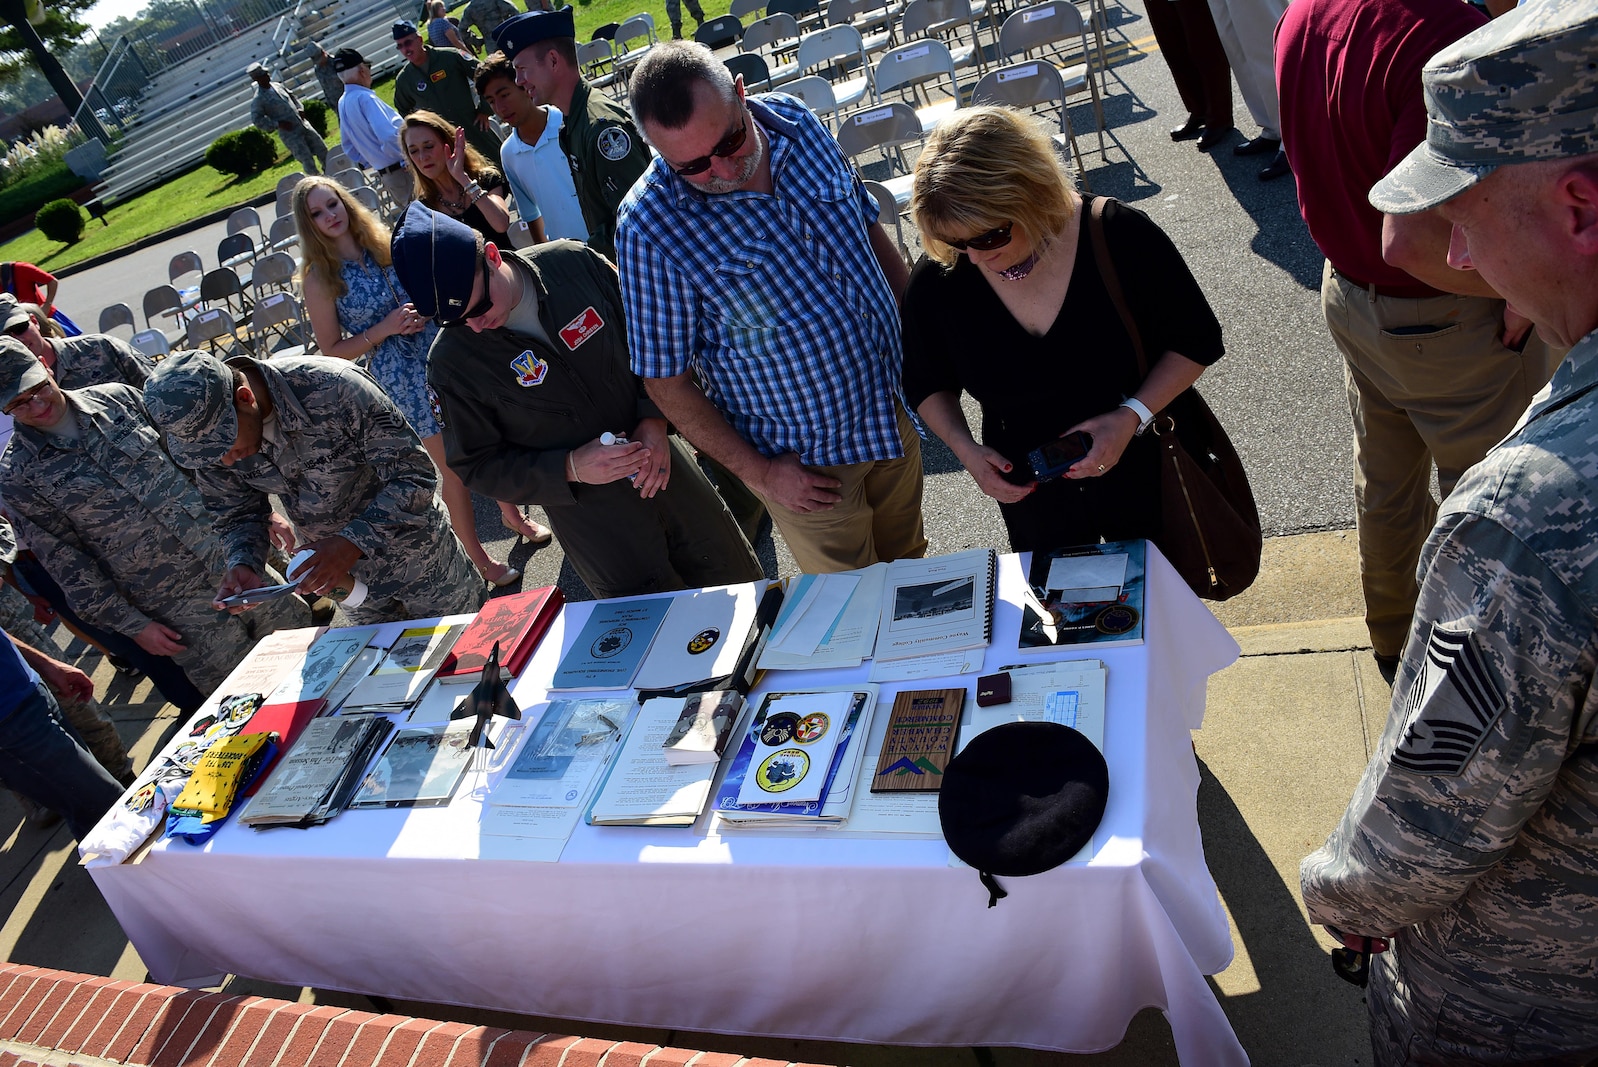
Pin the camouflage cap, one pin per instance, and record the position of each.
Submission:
(20, 370)
(12, 313)
(1520, 89)
(189, 396)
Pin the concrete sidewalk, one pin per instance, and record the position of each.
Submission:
(1288, 730)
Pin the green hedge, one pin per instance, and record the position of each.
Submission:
(29, 195)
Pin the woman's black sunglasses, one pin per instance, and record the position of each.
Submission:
(997, 237)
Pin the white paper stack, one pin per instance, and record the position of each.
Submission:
(849, 635)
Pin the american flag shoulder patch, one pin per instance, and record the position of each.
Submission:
(1452, 703)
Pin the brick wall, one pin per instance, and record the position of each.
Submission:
(61, 1019)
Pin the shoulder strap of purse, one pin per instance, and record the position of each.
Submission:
(5, 278)
(1112, 281)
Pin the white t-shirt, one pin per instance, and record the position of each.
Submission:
(540, 179)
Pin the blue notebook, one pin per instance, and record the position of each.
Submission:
(611, 645)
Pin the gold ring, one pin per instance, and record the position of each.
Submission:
(1102, 468)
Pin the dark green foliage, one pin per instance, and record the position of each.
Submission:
(316, 115)
(61, 220)
(242, 152)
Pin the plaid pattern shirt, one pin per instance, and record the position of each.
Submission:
(775, 301)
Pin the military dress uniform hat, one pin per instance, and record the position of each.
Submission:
(404, 28)
(1520, 89)
(20, 370)
(435, 257)
(519, 31)
(1022, 798)
(11, 312)
(346, 59)
(189, 396)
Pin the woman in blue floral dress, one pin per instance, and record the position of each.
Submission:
(359, 311)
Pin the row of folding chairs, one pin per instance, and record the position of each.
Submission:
(233, 325)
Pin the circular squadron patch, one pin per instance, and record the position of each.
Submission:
(611, 642)
(1116, 619)
(703, 641)
(782, 770)
(613, 143)
(779, 729)
(812, 727)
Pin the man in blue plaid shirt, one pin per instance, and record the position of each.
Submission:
(762, 314)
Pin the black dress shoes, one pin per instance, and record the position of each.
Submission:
(1277, 168)
(1211, 138)
(1259, 146)
(1193, 127)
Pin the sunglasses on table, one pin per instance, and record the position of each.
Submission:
(479, 308)
(997, 237)
(727, 146)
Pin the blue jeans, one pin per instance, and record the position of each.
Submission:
(41, 758)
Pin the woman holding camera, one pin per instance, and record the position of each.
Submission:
(1010, 306)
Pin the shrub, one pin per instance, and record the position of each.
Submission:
(242, 152)
(316, 115)
(29, 195)
(61, 220)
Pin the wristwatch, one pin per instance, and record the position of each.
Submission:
(1141, 410)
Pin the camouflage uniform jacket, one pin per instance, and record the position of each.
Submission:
(484, 15)
(113, 519)
(1471, 835)
(607, 156)
(98, 359)
(347, 463)
(272, 104)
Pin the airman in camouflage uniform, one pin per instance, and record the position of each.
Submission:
(276, 110)
(323, 437)
(1470, 840)
(482, 16)
(117, 523)
(326, 76)
(75, 362)
(99, 734)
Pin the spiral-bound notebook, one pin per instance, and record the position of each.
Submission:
(942, 604)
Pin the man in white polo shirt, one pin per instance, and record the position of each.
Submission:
(539, 173)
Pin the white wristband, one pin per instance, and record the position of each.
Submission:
(1141, 410)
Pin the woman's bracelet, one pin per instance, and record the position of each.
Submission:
(368, 339)
(571, 467)
(472, 187)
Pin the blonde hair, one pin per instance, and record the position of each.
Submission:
(426, 189)
(48, 327)
(983, 167)
(321, 254)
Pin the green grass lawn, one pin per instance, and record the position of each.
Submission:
(199, 192)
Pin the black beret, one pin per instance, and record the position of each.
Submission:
(1022, 798)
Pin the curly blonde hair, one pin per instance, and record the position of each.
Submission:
(477, 167)
(321, 254)
(983, 167)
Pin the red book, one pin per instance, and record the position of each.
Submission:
(517, 622)
(285, 720)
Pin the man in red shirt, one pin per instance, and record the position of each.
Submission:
(1437, 366)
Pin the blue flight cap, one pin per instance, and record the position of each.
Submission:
(404, 28)
(519, 31)
(435, 257)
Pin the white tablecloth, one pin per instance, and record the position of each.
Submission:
(868, 940)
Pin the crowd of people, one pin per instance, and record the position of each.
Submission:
(692, 336)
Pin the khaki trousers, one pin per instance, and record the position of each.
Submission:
(878, 519)
(1428, 381)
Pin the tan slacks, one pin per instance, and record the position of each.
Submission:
(878, 519)
(1428, 381)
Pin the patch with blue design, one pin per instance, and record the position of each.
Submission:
(530, 370)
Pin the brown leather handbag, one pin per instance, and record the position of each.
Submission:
(1209, 526)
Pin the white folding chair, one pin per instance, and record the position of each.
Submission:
(742, 9)
(779, 33)
(934, 18)
(152, 343)
(885, 128)
(1036, 84)
(246, 218)
(215, 330)
(837, 48)
(287, 183)
(274, 272)
(888, 212)
(597, 60)
(367, 197)
(816, 92)
(1052, 23)
(639, 28)
(278, 315)
(867, 16)
(283, 235)
(117, 315)
(910, 67)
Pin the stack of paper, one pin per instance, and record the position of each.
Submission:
(1070, 693)
(828, 620)
(701, 637)
(421, 766)
(541, 794)
(612, 643)
(407, 671)
(642, 788)
(829, 782)
(316, 778)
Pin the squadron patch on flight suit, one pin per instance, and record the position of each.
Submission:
(613, 143)
(530, 370)
(1452, 703)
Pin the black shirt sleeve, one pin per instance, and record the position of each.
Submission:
(1171, 311)
(928, 365)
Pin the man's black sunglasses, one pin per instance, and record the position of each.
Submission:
(479, 308)
(729, 144)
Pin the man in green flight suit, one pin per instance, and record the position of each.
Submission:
(440, 80)
(598, 136)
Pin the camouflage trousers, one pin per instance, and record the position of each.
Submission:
(92, 724)
(215, 641)
(1418, 1017)
(411, 583)
(306, 146)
